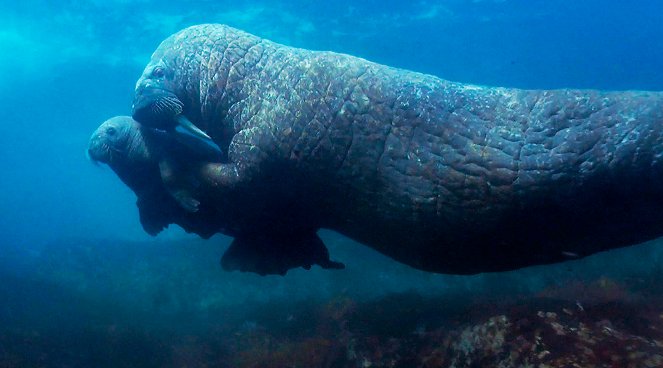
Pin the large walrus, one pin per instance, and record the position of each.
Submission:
(442, 176)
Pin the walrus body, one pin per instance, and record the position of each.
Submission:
(442, 176)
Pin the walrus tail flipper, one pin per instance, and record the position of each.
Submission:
(275, 255)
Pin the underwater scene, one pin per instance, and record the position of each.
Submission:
(447, 183)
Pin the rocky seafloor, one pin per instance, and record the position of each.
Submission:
(77, 304)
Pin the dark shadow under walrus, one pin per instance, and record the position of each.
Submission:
(442, 176)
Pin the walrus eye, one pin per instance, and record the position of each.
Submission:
(158, 72)
(111, 131)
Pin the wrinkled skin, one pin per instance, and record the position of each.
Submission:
(442, 176)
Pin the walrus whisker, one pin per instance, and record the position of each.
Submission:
(113, 152)
(109, 152)
(160, 105)
(156, 109)
(174, 104)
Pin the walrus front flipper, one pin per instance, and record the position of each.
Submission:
(270, 255)
(179, 184)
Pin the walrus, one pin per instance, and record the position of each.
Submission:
(154, 166)
(443, 176)
(131, 151)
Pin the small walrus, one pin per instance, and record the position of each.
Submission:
(130, 150)
(443, 176)
(154, 165)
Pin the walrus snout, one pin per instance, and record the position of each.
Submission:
(159, 108)
(156, 107)
(97, 152)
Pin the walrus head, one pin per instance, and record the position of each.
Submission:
(118, 142)
(157, 106)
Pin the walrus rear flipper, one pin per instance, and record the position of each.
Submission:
(270, 255)
(154, 215)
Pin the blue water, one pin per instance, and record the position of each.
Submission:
(69, 232)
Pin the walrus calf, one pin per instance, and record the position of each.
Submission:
(442, 176)
(152, 164)
(143, 159)
(133, 153)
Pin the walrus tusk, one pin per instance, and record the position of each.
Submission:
(209, 148)
(188, 125)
